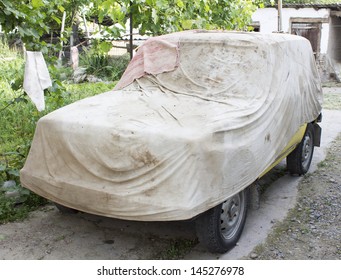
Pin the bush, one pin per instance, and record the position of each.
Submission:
(11, 70)
(102, 65)
(18, 121)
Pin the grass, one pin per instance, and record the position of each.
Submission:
(177, 249)
(332, 101)
(331, 96)
(18, 121)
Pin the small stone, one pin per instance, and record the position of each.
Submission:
(254, 256)
(93, 79)
(9, 184)
(12, 194)
(79, 75)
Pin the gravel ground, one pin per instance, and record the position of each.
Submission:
(312, 229)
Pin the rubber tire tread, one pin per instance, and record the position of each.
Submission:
(208, 229)
(65, 210)
(294, 159)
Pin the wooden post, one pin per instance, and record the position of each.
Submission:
(280, 27)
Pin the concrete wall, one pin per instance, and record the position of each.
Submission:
(329, 59)
(334, 46)
(268, 18)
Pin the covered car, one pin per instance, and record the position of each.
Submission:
(196, 118)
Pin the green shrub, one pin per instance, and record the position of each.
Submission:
(119, 64)
(11, 70)
(102, 65)
(18, 121)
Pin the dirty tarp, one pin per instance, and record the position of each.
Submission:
(170, 145)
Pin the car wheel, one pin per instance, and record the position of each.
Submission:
(299, 160)
(220, 228)
(66, 210)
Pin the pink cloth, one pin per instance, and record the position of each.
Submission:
(155, 56)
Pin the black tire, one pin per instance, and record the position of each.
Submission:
(220, 228)
(299, 160)
(65, 210)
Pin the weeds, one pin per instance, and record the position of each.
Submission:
(18, 121)
(332, 101)
(12, 209)
(178, 248)
(17, 126)
(102, 65)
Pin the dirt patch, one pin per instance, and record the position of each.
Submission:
(49, 234)
(312, 228)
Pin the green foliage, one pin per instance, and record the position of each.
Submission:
(12, 210)
(35, 18)
(11, 69)
(18, 121)
(177, 249)
(26, 19)
(163, 16)
(79, 91)
(100, 64)
(262, 3)
(309, 1)
(332, 101)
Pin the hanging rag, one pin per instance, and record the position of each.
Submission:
(36, 78)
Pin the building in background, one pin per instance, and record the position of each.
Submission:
(319, 23)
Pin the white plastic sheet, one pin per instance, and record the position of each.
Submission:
(172, 144)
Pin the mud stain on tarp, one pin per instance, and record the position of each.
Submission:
(144, 156)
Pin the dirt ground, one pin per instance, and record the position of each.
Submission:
(312, 229)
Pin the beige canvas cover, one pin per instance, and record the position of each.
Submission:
(194, 120)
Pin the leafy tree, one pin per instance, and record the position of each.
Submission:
(34, 18)
(310, 1)
(28, 18)
(274, 2)
(163, 16)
